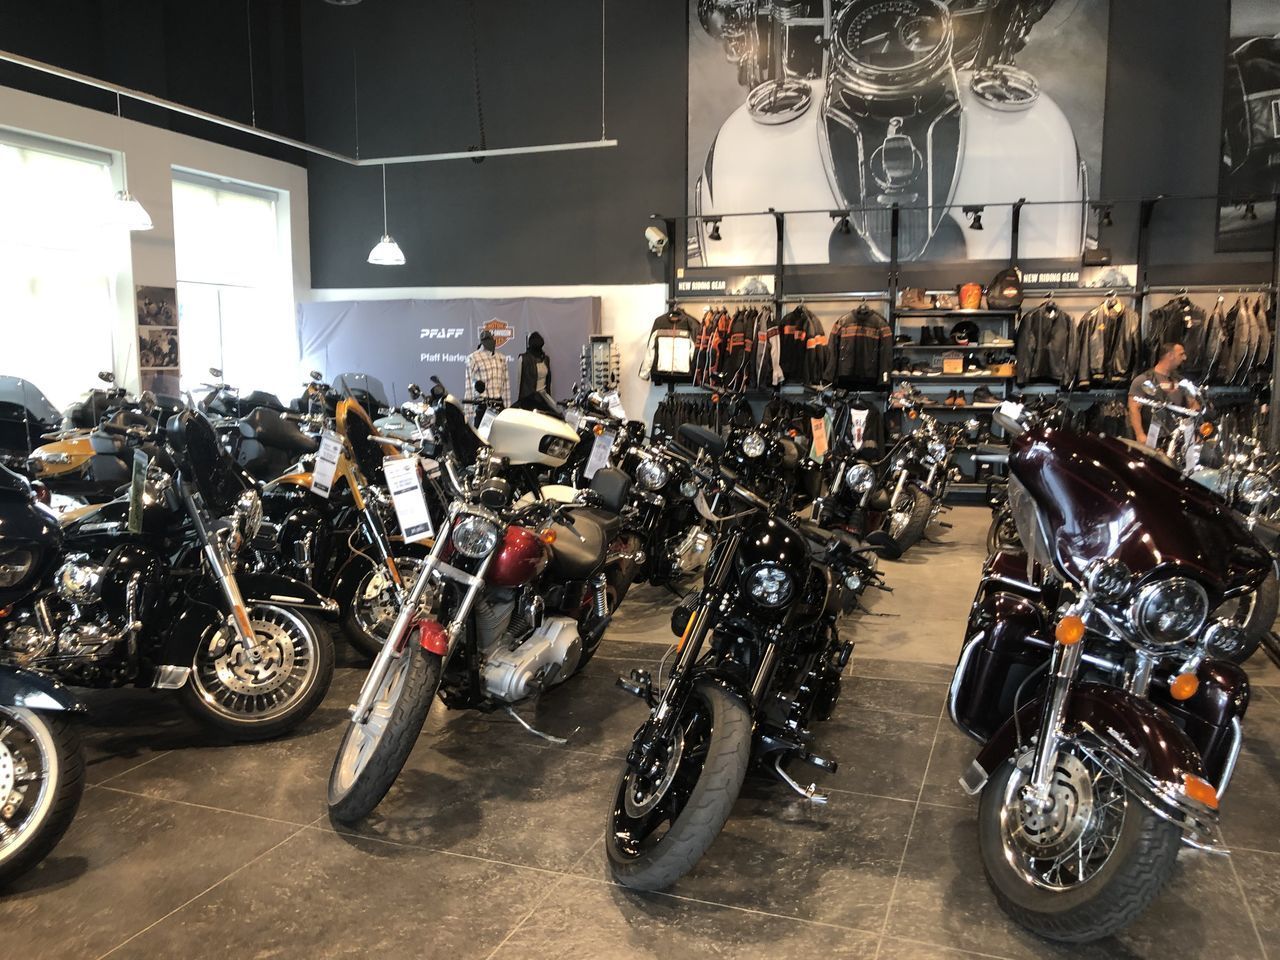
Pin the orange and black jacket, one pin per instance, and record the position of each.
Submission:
(802, 347)
(860, 354)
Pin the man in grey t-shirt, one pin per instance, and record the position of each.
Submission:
(1163, 376)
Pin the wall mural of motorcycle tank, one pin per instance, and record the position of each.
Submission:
(916, 102)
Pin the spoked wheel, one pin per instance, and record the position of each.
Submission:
(1086, 867)
(256, 700)
(908, 520)
(41, 782)
(374, 606)
(1256, 612)
(372, 753)
(668, 811)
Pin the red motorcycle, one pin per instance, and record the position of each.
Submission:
(1109, 733)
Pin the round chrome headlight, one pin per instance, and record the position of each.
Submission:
(688, 488)
(769, 585)
(1110, 580)
(1225, 638)
(1255, 488)
(652, 474)
(1169, 611)
(860, 478)
(937, 449)
(753, 445)
(475, 537)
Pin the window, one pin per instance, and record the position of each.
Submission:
(63, 265)
(235, 301)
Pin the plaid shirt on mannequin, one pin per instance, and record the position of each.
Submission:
(492, 369)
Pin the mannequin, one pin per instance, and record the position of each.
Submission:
(535, 378)
(489, 367)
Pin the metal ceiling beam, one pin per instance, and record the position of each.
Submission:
(253, 131)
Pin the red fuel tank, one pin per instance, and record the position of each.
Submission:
(521, 557)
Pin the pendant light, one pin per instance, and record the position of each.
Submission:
(127, 211)
(386, 252)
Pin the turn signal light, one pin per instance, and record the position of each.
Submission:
(1206, 429)
(598, 429)
(547, 536)
(1184, 686)
(911, 414)
(1070, 631)
(1201, 790)
(432, 637)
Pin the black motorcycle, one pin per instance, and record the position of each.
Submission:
(143, 591)
(26, 415)
(759, 658)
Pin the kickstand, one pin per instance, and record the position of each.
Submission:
(536, 732)
(810, 792)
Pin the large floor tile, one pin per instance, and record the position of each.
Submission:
(952, 754)
(879, 753)
(1249, 813)
(942, 898)
(897, 696)
(1259, 875)
(781, 854)
(125, 863)
(893, 948)
(881, 669)
(323, 896)
(586, 918)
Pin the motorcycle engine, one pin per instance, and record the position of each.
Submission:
(545, 659)
(78, 580)
(690, 555)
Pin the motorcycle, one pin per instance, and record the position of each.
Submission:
(759, 657)
(41, 767)
(25, 416)
(1109, 732)
(512, 600)
(866, 105)
(144, 591)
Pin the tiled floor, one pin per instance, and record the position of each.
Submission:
(489, 846)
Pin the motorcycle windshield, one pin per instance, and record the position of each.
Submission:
(211, 468)
(24, 395)
(1097, 497)
(360, 386)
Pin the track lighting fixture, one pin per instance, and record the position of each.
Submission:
(127, 211)
(842, 225)
(975, 217)
(715, 228)
(1104, 215)
(386, 252)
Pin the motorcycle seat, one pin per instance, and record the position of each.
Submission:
(578, 550)
(267, 427)
(609, 522)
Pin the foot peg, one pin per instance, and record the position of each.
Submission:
(810, 793)
(944, 525)
(639, 685)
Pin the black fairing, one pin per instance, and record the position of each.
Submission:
(774, 541)
(213, 471)
(25, 528)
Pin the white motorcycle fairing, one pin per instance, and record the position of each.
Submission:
(523, 437)
(1005, 155)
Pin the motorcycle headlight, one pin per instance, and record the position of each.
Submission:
(769, 585)
(1255, 488)
(652, 474)
(1225, 639)
(688, 489)
(475, 537)
(1169, 612)
(937, 450)
(15, 564)
(753, 445)
(860, 478)
(1110, 580)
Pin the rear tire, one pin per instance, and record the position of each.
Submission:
(656, 865)
(1257, 620)
(52, 803)
(370, 759)
(907, 523)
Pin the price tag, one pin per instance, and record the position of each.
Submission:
(406, 495)
(600, 451)
(486, 422)
(1153, 435)
(819, 449)
(326, 467)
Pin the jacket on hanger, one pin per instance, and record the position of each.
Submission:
(668, 354)
(766, 361)
(861, 350)
(794, 355)
(1044, 342)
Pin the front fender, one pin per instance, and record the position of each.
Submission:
(1129, 734)
(272, 588)
(30, 690)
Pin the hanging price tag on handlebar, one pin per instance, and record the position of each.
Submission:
(600, 451)
(326, 467)
(486, 422)
(406, 493)
(818, 425)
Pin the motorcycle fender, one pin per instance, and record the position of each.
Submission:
(728, 681)
(29, 690)
(1137, 738)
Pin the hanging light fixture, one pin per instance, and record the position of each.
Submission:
(386, 252)
(126, 210)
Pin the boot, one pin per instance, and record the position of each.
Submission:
(940, 335)
(959, 401)
(951, 399)
(926, 337)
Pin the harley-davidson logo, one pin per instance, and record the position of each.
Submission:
(501, 331)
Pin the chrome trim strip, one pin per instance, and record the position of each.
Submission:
(1237, 741)
(970, 645)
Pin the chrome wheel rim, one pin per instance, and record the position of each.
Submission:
(377, 601)
(361, 739)
(27, 777)
(232, 685)
(1069, 844)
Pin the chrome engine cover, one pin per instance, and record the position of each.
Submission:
(79, 581)
(693, 550)
(548, 657)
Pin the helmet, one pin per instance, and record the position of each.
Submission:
(964, 333)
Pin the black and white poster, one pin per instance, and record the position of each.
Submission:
(399, 342)
(944, 108)
(1250, 127)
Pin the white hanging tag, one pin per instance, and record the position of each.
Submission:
(600, 451)
(486, 422)
(326, 467)
(406, 494)
(1153, 436)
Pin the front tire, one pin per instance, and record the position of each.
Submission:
(908, 520)
(1069, 876)
(1256, 612)
(41, 782)
(257, 701)
(372, 754)
(691, 798)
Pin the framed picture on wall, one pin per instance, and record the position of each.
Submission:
(1250, 164)
(159, 357)
(157, 307)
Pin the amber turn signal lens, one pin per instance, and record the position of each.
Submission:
(1206, 429)
(548, 537)
(1184, 686)
(1070, 631)
(1200, 790)
(911, 414)
(598, 429)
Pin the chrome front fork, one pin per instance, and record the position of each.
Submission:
(221, 567)
(897, 490)
(1062, 673)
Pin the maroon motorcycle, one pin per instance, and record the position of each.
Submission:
(1109, 734)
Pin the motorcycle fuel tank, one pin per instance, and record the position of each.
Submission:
(520, 558)
(1098, 497)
